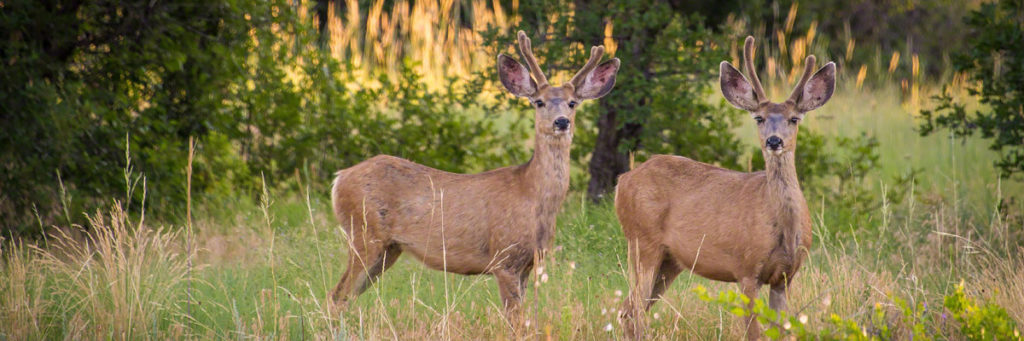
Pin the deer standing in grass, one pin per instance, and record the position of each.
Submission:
(751, 228)
(493, 222)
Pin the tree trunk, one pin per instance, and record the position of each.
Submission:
(321, 10)
(607, 162)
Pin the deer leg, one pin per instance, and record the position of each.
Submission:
(388, 259)
(524, 280)
(510, 287)
(646, 263)
(777, 296)
(365, 262)
(750, 287)
(666, 275)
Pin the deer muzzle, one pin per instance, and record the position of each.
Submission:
(773, 143)
(562, 124)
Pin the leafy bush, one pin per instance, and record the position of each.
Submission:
(246, 79)
(901, 321)
(986, 321)
(994, 61)
(83, 75)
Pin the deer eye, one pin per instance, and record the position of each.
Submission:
(759, 119)
(794, 120)
(572, 104)
(539, 103)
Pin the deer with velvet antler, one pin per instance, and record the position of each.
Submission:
(751, 228)
(495, 222)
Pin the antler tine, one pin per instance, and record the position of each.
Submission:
(596, 53)
(527, 50)
(798, 91)
(748, 60)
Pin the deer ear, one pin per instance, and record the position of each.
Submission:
(515, 77)
(818, 89)
(600, 81)
(736, 89)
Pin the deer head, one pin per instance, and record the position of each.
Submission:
(777, 123)
(556, 106)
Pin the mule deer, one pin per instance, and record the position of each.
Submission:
(751, 228)
(493, 222)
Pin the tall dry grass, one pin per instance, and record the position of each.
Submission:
(124, 280)
(24, 303)
(783, 56)
(434, 33)
(120, 279)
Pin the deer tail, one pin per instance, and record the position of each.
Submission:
(336, 195)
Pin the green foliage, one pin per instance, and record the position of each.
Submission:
(680, 120)
(896, 321)
(85, 82)
(986, 321)
(80, 76)
(913, 316)
(776, 324)
(994, 61)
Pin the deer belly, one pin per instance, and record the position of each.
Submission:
(708, 268)
(451, 256)
(707, 262)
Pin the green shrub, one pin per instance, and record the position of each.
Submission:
(246, 79)
(988, 321)
(994, 62)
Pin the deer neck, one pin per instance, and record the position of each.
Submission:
(786, 198)
(546, 176)
(547, 172)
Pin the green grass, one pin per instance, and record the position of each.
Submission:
(263, 268)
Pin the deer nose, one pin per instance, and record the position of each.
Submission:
(562, 123)
(774, 142)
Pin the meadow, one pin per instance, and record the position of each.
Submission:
(245, 268)
(927, 245)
